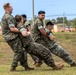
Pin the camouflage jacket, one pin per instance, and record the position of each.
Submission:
(8, 21)
(27, 24)
(25, 40)
(36, 34)
(50, 43)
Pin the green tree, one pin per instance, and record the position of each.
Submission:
(59, 20)
(65, 20)
(74, 22)
(54, 21)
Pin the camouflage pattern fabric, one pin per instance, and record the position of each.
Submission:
(13, 40)
(37, 49)
(51, 45)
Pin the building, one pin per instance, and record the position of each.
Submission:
(63, 28)
(59, 27)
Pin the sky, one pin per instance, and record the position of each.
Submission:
(53, 8)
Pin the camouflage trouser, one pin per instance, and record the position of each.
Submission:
(17, 48)
(41, 52)
(36, 59)
(58, 51)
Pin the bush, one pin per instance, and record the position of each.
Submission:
(62, 31)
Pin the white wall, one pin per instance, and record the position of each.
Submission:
(55, 28)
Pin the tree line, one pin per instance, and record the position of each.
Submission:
(63, 20)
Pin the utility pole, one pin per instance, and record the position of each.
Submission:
(63, 20)
(32, 12)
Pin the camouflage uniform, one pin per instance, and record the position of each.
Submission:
(36, 49)
(35, 58)
(13, 40)
(51, 45)
(27, 24)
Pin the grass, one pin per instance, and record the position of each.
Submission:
(66, 40)
(44, 70)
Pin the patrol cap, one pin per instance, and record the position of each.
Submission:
(23, 15)
(41, 12)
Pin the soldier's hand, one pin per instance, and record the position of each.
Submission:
(29, 33)
(25, 33)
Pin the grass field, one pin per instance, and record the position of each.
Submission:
(66, 40)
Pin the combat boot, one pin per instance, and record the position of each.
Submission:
(73, 65)
(13, 69)
(27, 68)
(37, 64)
(58, 66)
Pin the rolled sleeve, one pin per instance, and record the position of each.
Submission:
(11, 22)
(11, 25)
(40, 24)
(47, 30)
(50, 34)
(22, 29)
(40, 27)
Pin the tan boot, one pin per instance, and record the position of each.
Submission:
(13, 69)
(28, 68)
(58, 66)
(38, 64)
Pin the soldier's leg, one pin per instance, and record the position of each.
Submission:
(24, 56)
(37, 61)
(35, 58)
(23, 61)
(59, 51)
(43, 53)
(43, 43)
(16, 46)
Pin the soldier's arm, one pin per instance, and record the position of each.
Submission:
(42, 29)
(12, 25)
(50, 34)
(51, 37)
(14, 29)
(24, 33)
(29, 28)
(23, 30)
